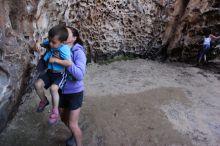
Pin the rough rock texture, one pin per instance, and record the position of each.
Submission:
(186, 23)
(145, 28)
(108, 27)
(15, 33)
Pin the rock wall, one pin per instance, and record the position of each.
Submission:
(16, 32)
(173, 28)
(146, 28)
(186, 23)
(109, 27)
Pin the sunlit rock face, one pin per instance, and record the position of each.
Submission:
(15, 56)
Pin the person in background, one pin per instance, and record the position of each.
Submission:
(207, 45)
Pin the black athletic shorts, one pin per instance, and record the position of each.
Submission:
(71, 101)
(58, 79)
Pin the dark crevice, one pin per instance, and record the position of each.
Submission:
(12, 17)
(216, 4)
(184, 4)
(1, 55)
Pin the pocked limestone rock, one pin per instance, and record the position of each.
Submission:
(107, 27)
(147, 28)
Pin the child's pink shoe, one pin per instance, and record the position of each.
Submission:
(54, 116)
(42, 105)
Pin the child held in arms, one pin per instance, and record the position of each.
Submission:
(55, 77)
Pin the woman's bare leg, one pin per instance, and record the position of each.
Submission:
(64, 116)
(74, 127)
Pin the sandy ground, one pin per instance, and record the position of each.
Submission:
(132, 103)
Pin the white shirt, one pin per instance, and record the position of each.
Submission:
(207, 41)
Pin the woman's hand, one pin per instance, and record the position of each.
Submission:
(52, 60)
(56, 59)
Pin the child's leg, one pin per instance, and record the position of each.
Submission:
(40, 84)
(57, 84)
(55, 95)
(39, 87)
(54, 116)
(201, 54)
(54, 88)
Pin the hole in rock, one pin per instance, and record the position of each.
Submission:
(1, 55)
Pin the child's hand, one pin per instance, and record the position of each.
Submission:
(37, 47)
(56, 54)
(52, 60)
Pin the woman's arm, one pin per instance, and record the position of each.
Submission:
(56, 59)
(78, 68)
(65, 63)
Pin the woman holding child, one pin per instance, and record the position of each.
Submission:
(71, 94)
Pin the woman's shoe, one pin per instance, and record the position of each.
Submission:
(70, 141)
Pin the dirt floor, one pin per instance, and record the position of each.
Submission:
(132, 103)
